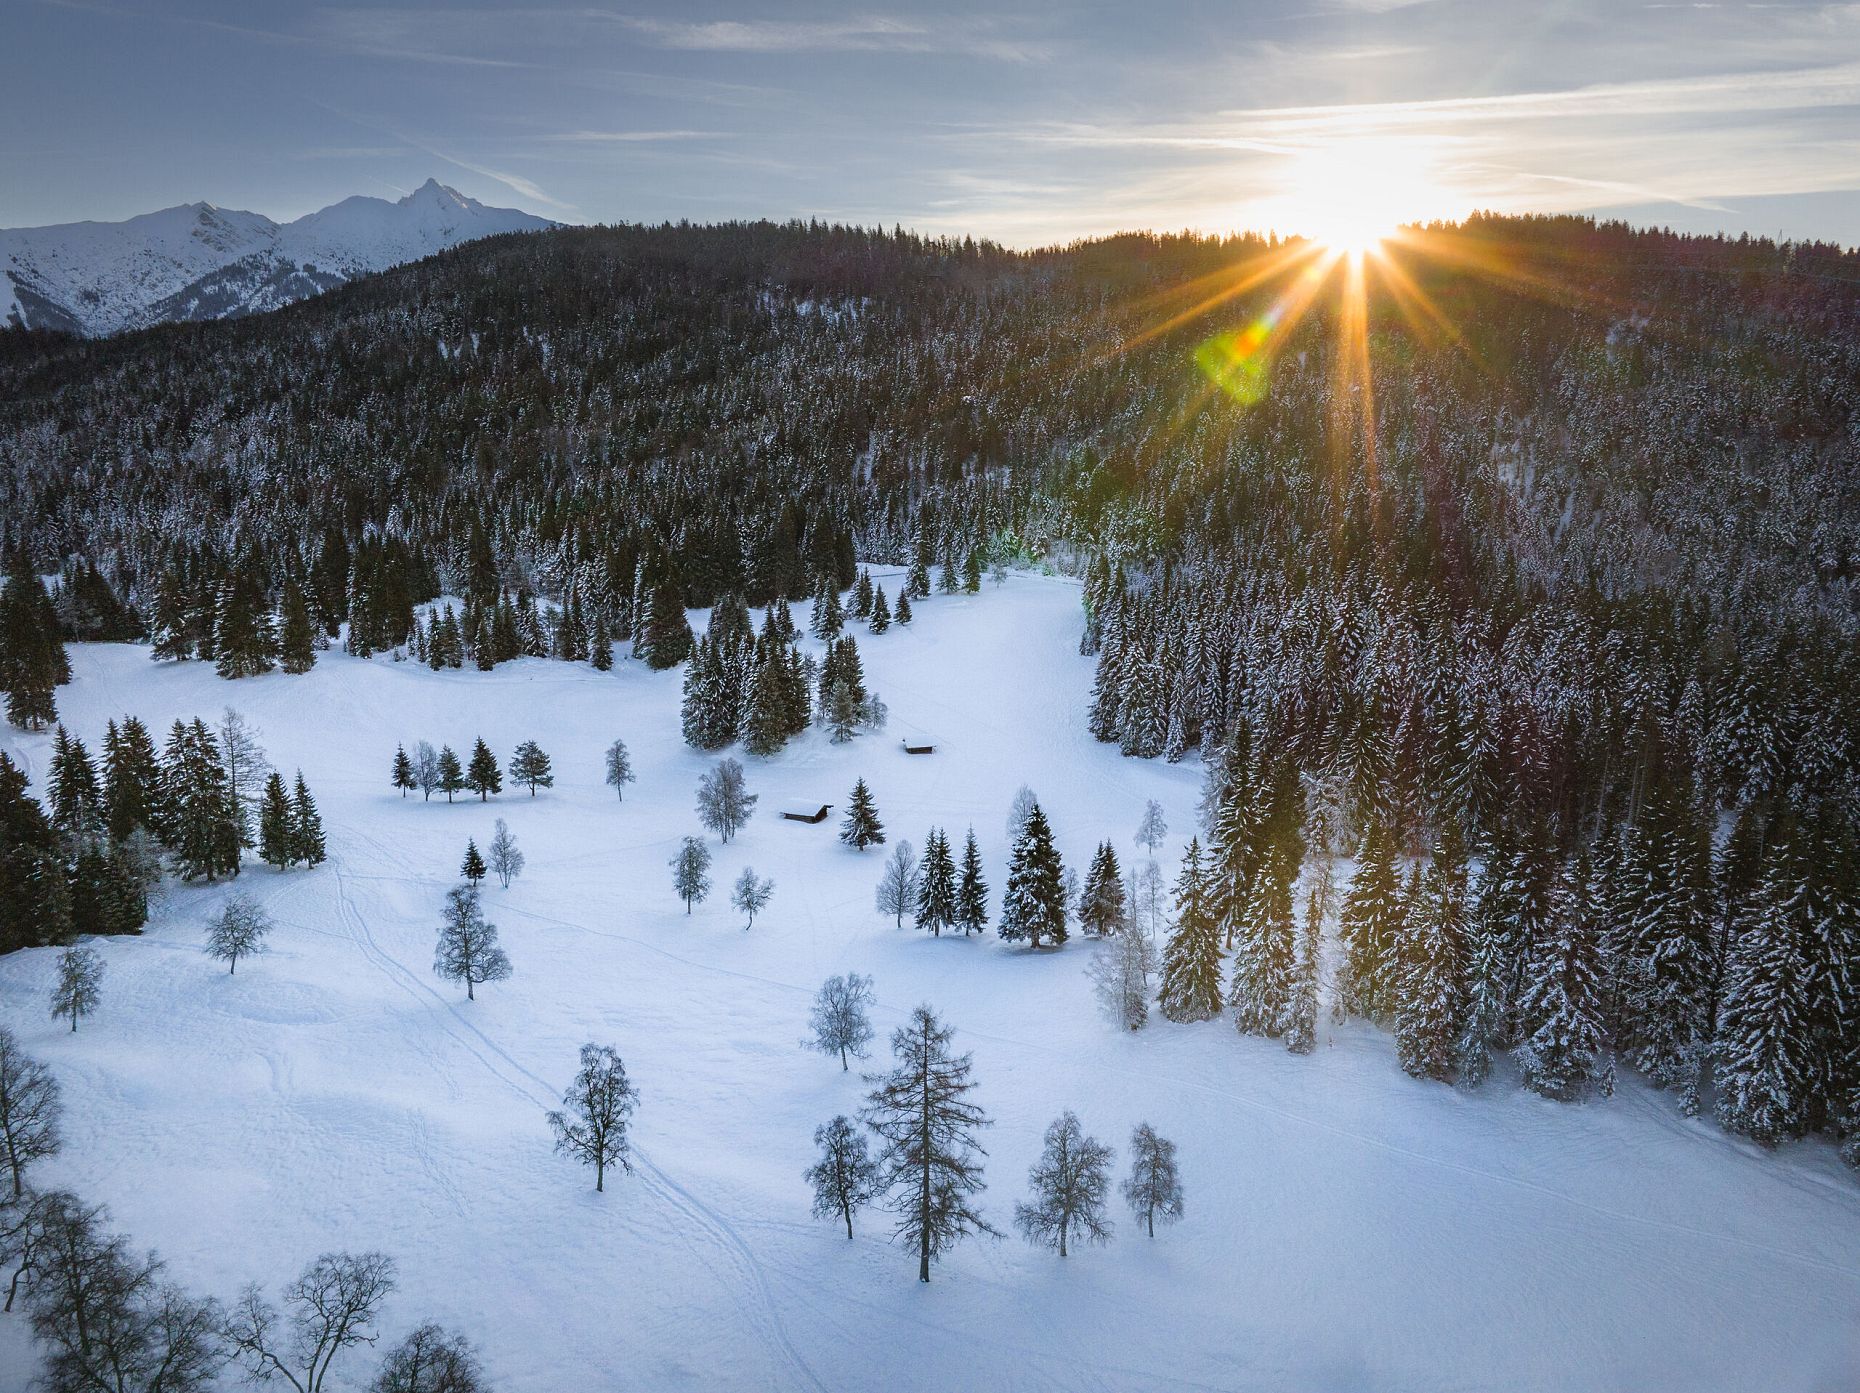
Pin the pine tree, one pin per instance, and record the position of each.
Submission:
(1103, 908)
(1153, 1190)
(530, 767)
(472, 868)
(403, 771)
(665, 638)
(936, 888)
(306, 825)
(32, 656)
(276, 829)
(1034, 907)
(971, 890)
(862, 596)
(930, 1166)
(845, 1178)
(482, 776)
(1070, 1184)
(468, 950)
(1301, 1012)
(862, 827)
(1191, 965)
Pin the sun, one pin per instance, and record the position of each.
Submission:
(1352, 195)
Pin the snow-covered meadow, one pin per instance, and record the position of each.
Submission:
(1346, 1228)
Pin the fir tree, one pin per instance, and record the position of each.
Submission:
(276, 827)
(482, 775)
(881, 611)
(903, 615)
(1261, 987)
(1034, 908)
(132, 779)
(862, 827)
(1564, 1050)
(930, 1165)
(1428, 972)
(1191, 965)
(971, 890)
(1102, 907)
(76, 797)
(936, 888)
(1370, 927)
(472, 868)
(297, 634)
(403, 771)
(202, 821)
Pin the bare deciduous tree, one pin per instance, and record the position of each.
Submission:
(29, 1110)
(431, 1360)
(329, 1308)
(238, 932)
(1070, 1181)
(592, 1121)
(839, 1018)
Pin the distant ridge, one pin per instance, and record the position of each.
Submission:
(196, 261)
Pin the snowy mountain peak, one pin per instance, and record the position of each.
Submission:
(200, 261)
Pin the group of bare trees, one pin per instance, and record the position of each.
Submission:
(107, 1317)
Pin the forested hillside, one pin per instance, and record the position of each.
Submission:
(1518, 565)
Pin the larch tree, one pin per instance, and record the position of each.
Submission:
(844, 1177)
(1069, 1186)
(691, 871)
(840, 1019)
(591, 1125)
(619, 769)
(238, 931)
(468, 950)
(1153, 1190)
(930, 1166)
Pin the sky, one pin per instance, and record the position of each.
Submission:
(1028, 123)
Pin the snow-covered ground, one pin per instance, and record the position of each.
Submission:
(1347, 1227)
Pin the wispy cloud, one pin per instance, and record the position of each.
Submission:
(868, 34)
(636, 137)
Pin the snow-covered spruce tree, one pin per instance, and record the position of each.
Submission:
(665, 638)
(238, 931)
(936, 885)
(1483, 997)
(468, 950)
(691, 871)
(1370, 926)
(1033, 908)
(530, 767)
(331, 1306)
(597, 1107)
(751, 896)
(202, 824)
(1564, 1052)
(724, 802)
(79, 986)
(482, 775)
(1153, 829)
(862, 596)
(904, 615)
(1069, 1186)
(1153, 1190)
(862, 827)
(431, 1360)
(1122, 969)
(1428, 974)
(845, 1177)
(29, 1110)
(971, 890)
(897, 883)
(881, 611)
(403, 777)
(619, 769)
(930, 1165)
(1103, 908)
(1301, 1010)
(276, 839)
(1191, 963)
(506, 859)
(307, 843)
(839, 1020)
(1260, 990)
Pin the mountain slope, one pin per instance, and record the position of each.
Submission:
(196, 261)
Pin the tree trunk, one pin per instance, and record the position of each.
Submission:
(469, 995)
(849, 1222)
(1062, 1238)
(600, 1176)
(1149, 1216)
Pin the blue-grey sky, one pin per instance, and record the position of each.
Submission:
(1028, 122)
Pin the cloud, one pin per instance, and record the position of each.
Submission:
(871, 34)
(637, 137)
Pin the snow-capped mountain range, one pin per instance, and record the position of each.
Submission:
(197, 261)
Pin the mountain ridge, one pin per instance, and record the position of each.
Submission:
(198, 261)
